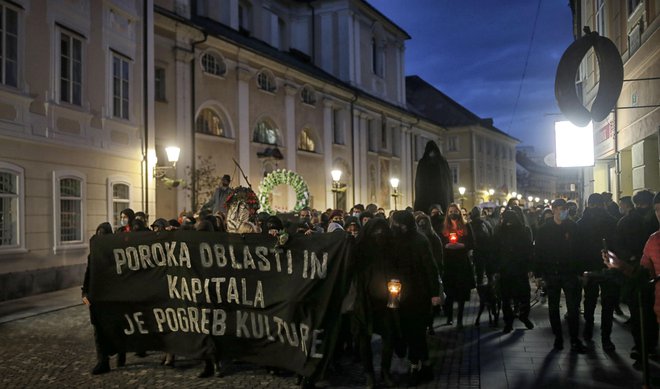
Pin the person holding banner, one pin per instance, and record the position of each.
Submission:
(102, 354)
(126, 218)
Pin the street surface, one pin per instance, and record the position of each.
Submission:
(55, 349)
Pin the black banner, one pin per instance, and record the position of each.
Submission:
(204, 294)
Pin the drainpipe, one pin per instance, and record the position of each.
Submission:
(193, 89)
(145, 109)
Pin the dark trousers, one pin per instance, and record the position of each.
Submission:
(573, 292)
(515, 292)
(387, 327)
(414, 332)
(609, 293)
(650, 321)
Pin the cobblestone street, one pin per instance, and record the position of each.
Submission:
(56, 349)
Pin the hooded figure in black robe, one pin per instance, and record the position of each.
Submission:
(433, 183)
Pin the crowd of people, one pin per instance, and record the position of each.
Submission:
(606, 250)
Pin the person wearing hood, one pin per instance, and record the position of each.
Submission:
(437, 218)
(126, 218)
(559, 264)
(372, 269)
(457, 275)
(596, 231)
(482, 239)
(420, 286)
(424, 226)
(103, 348)
(513, 249)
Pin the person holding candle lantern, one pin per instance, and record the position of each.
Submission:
(458, 275)
(417, 287)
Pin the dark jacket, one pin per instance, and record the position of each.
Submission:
(556, 249)
(595, 225)
(414, 264)
(632, 232)
(513, 250)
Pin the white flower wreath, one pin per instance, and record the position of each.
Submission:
(287, 177)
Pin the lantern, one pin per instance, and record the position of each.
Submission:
(394, 289)
(453, 237)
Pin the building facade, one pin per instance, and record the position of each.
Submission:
(91, 94)
(626, 142)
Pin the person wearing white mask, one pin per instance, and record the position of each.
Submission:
(557, 262)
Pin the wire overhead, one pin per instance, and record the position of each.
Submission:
(524, 73)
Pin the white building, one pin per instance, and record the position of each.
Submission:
(91, 92)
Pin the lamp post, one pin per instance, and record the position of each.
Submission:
(336, 185)
(529, 201)
(461, 191)
(395, 193)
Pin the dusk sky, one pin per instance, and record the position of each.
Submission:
(475, 52)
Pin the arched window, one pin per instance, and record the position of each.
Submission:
(209, 122)
(266, 81)
(306, 141)
(266, 132)
(213, 64)
(308, 95)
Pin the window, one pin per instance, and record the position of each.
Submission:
(600, 18)
(307, 95)
(489, 147)
(306, 142)
(159, 88)
(209, 122)
(244, 17)
(120, 82)
(383, 137)
(632, 6)
(337, 129)
(8, 46)
(371, 133)
(267, 133)
(213, 64)
(70, 68)
(454, 174)
(396, 142)
(120, 200)
(497, 150)
(376, 61)
(480, 144)
(69, 195)
(266, 81)
(11, 207)
(452, 143)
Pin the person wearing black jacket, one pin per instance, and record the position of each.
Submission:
(596, 232)
(420, 290)
(102, 347)
(513, 249)
(558, 264)
(633, 230)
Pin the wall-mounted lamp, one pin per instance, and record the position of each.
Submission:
(336, 185)
(160, 172)
(395, 192)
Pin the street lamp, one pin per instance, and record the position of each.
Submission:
(545, 201)
(514, 194)
(395, 193)
(461, 191)
(491, 191)
(519, 196)
(336, 185)
(159, 172)
(536, 199)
